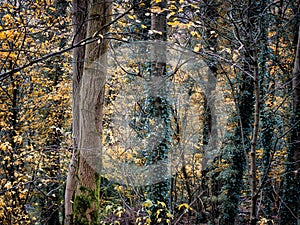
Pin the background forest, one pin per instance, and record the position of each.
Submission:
(57, 111)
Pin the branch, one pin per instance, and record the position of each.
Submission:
(83, 42)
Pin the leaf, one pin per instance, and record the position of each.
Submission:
(197, 48)
(155, 32)
(158, 212)
(185, 205)
(173, 23)
(148, 203)
(156, 9)
(148, 221)
(162, 204)
(130, 17)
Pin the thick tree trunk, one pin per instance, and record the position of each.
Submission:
(88, 93)
(159, 110)
(79, 32)
(90, 115)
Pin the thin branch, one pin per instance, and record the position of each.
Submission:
(83, 42)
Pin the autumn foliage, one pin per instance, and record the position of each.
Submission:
(251, 50)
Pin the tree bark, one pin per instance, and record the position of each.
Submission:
(88, 93)
(296, 107)
(90, 115)
(253, 211)
(296, 132)
(79, 33)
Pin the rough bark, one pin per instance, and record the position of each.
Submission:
(90, 115)
(88, 93)
(79, 33)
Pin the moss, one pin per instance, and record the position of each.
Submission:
(86, 200)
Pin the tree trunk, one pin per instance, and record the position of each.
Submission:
(253, 211)
(90, 115)
(296, 87)
(296, 132)
(88, 93)
(159, 111)
(291, 204)
(79, 32)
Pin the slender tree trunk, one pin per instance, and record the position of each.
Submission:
(253, 211)
(242, 144)
(209, 115)
(296, 87)
(296, 132)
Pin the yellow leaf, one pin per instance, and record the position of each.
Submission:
(194, 6)
(185, 205)
(156, 9)
(158, 212)
(193, 33)
(119, 213)
(173, 23)
(130, 17)
(148, 203)
(162, 204)
(172, 7)
(148, 221)
(119, 188)
(8, 185)
(169, 215)
(197, 48)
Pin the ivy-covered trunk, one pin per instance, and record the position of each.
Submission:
(159, 112)
(237, 150)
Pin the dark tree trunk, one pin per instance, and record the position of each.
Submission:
(291, 201)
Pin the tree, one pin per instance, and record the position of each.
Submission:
(34, 112)
(89, 117)
(291, 203)
(79, 33)
(251, 49)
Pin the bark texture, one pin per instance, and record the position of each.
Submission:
(79, 33)
(88, 92)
